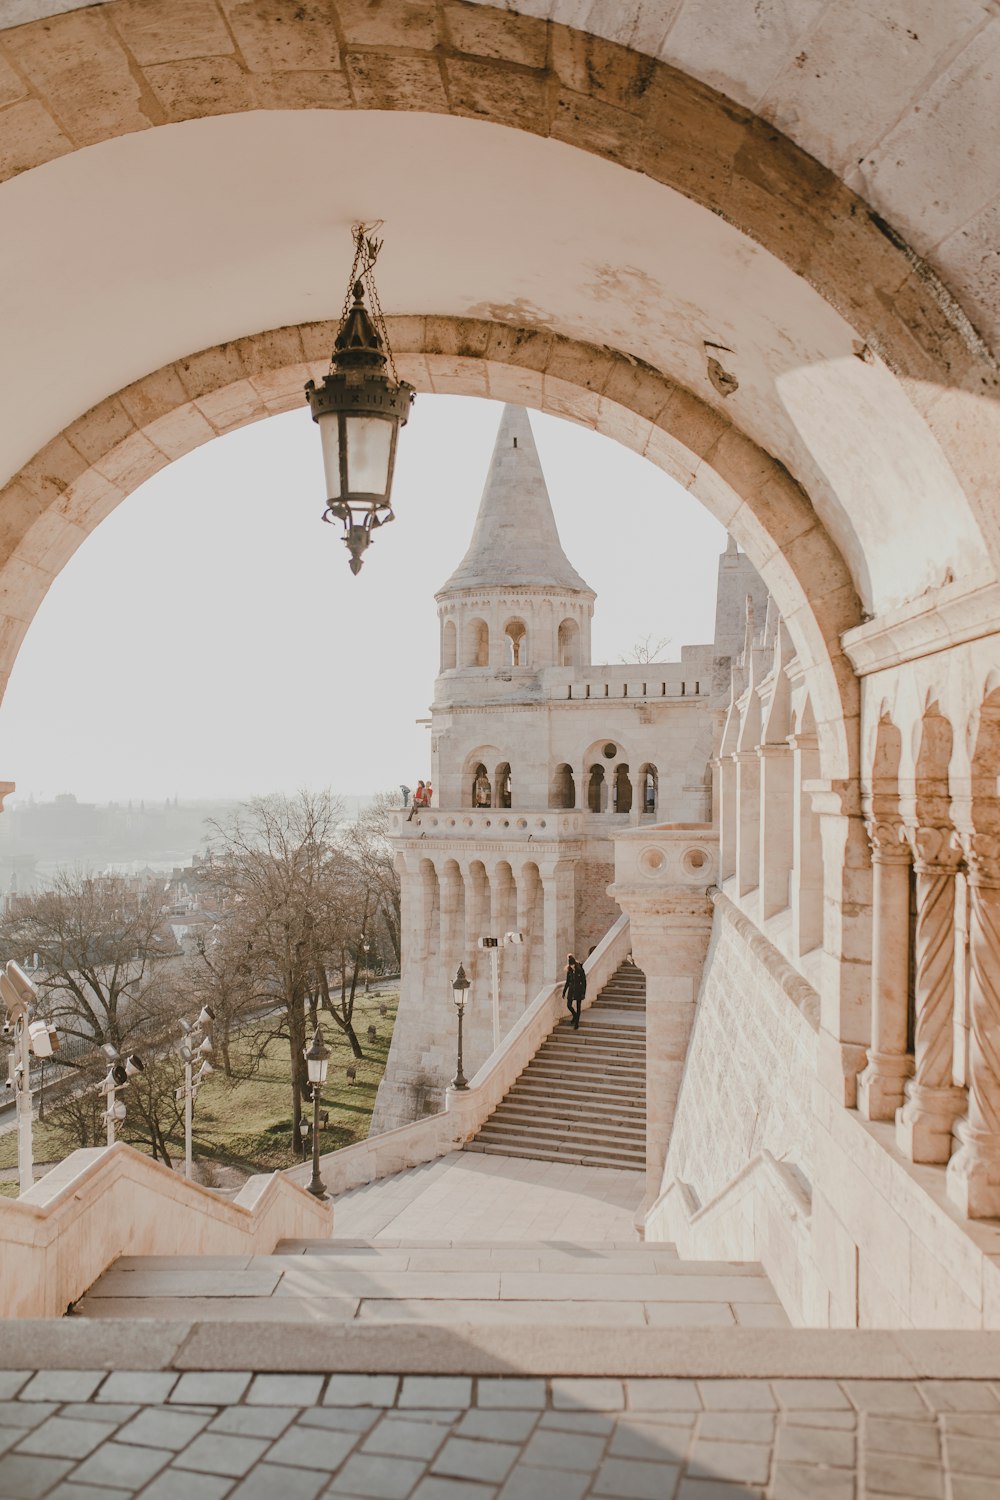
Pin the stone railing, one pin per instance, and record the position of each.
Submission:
(764, 1214)
(487, 823)
(667, 857)
(435, 1135)
(99, 1204)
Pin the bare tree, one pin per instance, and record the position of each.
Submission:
(647, 651)
(101, 944)
(368, 842)
(275, 865)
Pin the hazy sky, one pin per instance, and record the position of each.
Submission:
(208, 640)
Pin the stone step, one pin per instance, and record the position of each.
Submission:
(532, 1094)
(594, 1078)
(568, 1146)
(531, 1106)
(545, 1130)
(572, 1155)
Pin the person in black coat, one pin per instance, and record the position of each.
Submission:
(574, 989)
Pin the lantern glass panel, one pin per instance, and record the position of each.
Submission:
(369, 447)
(329, 431)
(317, 1067)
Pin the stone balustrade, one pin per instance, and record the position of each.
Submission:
(500, 823)
(109, 1201)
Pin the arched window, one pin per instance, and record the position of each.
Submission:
(596, 789)
(517, 643)
(449, 646)
(569, 644)
(502, 784)
(623, 790)
(476, 652)
(482, 795)
(649, 789)
(562, 790)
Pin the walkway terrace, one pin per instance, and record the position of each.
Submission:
(482, 1328)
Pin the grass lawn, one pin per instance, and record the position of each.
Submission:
(248, 1125)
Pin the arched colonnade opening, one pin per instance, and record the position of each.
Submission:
(802, 515)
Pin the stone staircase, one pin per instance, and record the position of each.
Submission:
(582, 1098)
(566, 1284)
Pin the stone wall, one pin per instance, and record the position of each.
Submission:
(749, 1068)
(595, 910)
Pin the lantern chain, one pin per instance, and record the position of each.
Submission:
(366, 252)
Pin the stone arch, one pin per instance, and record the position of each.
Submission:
(649, 789)
(58, 498)
(475, 771)
(569, 643)
(562, 787)
(516, 636)
(449, 646)
(502, 785)
(528, 74)
(475, 643)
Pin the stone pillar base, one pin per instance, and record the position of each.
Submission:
(973, 1177)
(881, 1087)
(837, 1067)
(925, 1124)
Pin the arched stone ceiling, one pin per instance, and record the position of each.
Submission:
(138, 251)
(898, 98)
(49, 508)
(152, 242)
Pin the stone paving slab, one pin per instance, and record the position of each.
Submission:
(230, 1435)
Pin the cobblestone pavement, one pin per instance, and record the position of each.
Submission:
(79, 1435)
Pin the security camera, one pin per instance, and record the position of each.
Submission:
(206, 1016)
(119, 1110)
(42, 1038)
(133, 1065)
(20, 981)
(205, 1069)
(513, 937)
(206, 1047)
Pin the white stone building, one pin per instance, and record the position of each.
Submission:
(539, 757)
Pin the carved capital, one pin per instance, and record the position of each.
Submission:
(888, 841)
(981, 852)
(936, 850)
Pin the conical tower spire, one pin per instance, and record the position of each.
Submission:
(515, 541)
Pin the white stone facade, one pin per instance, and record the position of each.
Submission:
(539, 758)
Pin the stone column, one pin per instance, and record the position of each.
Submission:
(807, 875)
(670, 932)
(559, 900)
(974, 1171)
(881, 1085)
(747, 821)
(776, 840)
(933, 1104)
(727, 816)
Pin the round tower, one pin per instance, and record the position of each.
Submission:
(513, 610)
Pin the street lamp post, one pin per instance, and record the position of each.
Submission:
(19, 996)
(194, 1044)
(459, 986)
(494, 945)
(119, 1075)
(317, 1062)
(365, 946)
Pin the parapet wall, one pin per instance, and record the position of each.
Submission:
(750, 1064)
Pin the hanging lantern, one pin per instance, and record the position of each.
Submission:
(360, 408)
